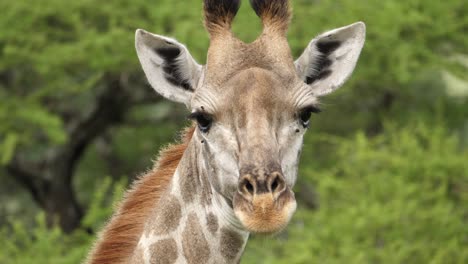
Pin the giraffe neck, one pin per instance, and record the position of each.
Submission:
(192, 223)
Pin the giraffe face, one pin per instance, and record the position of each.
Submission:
(252, 138)
(252, 103)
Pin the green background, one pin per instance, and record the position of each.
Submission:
(384, 171)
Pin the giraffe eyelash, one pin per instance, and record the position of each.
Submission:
(203, 120)
(305, 113)
(312, 108)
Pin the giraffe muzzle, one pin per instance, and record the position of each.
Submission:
(264, 203)
(251, 186)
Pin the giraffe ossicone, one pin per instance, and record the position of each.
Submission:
(233, 173)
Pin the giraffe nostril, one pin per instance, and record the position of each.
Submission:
(274, 185)
(252, 185)
(249, 188)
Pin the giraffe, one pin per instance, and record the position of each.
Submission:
(233, 172)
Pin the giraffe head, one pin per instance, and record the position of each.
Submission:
(252, 102)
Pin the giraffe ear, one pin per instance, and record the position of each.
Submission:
(168, 65)
(330, 58)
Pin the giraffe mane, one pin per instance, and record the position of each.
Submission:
(120, 237)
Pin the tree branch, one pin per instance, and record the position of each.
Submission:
(32, 182)
(109, 107)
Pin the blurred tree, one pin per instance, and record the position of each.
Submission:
(48, 174)
(58, 95)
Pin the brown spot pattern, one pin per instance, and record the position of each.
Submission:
(206, 190)
(212, 223)
(231, 244)
(194, 243)
(167, 215)
(188, 179)
(164, 252)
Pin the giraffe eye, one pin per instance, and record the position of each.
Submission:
(305, 118)
(204, 120)
(305, 113)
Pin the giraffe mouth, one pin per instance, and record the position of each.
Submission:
(265, 214)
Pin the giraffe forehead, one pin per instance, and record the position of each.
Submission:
(252, 92)
(230, 57)
(262, 101)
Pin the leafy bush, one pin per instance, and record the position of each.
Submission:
(41, 244)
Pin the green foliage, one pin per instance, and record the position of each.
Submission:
(19, 122)
(42, 244)
(8, 147)
(100, 209)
